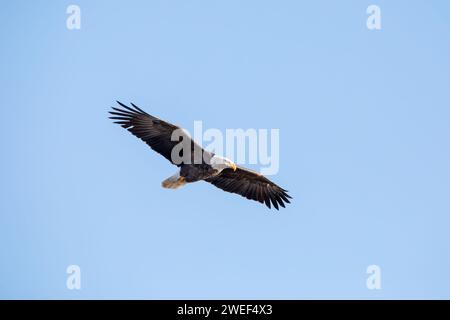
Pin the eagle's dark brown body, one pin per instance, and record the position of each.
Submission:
(197, 172)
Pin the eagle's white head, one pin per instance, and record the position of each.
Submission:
(219, 163)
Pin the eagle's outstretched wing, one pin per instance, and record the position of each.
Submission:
(153, 131)
(250, 185)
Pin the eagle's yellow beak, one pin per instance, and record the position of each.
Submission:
(234, 167)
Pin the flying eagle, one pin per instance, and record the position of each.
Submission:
(217, 170)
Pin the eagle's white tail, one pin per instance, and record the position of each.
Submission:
(174, 181)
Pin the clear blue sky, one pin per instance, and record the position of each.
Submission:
(365, 151)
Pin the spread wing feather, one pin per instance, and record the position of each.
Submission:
(156, 133)
(251, 185)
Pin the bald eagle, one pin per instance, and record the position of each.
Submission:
(219, 171)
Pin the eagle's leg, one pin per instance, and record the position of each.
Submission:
(174, 181)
